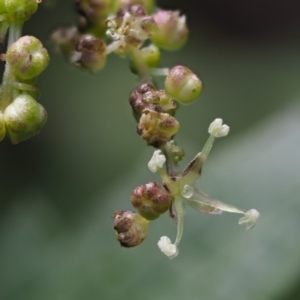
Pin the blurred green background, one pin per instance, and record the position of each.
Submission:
(60, 189)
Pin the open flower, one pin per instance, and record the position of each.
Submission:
(183, 188)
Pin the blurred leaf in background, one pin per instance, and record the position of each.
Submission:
(59, 190)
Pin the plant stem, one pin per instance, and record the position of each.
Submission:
(6, 92)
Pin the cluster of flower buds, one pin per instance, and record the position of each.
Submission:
(181, 191)
(154, 109)
(21, 116)
(15, 11)
(135, 28)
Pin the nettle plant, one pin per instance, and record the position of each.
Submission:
(137, 30)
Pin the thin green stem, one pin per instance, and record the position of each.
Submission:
(6, 92)
(207, 147)
(180, 212)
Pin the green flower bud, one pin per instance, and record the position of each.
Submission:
(131, 228)
(90, 53)
(123, 4)
(150, 56)
(183, 85)
(24, 118)
(157, 128)
(172, 31)
(27, 57)
(2, 127)
(21, 10)
(151, 200)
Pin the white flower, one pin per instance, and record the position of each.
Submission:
(157, 161)
(167, 247)
(217, 130)
(250, 218)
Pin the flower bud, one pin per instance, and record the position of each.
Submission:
(157, 128)
(137, 99)
(172, 31)
(183, 85)
(131, 228)
(150, 57)
(146, 96)
(90, 53)
(27, 57)
(151, 200)
(2, 127)
(24, 118)
(20, 10)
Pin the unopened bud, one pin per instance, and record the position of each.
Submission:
(151, 200)
(20, 10)
(146, 96)
(138, 98)
(157, 128)
(131, 228)
(27, 57)
(172, 31)
(150, 57)
(183, 85)
(24, 118)
(90, 53)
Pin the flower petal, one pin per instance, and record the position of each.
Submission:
(166, 247)
(250, 218)
(157, 161)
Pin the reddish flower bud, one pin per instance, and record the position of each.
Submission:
(151, 200)
(90, 53)
(131, 228)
